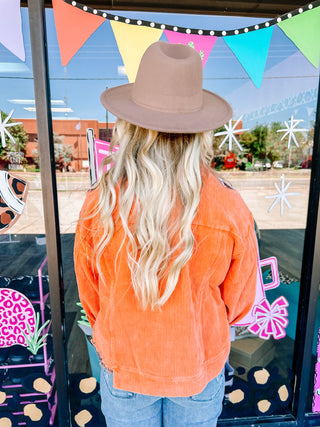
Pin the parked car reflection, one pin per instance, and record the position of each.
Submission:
(278, 164)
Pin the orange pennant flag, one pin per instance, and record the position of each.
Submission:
(74, 27)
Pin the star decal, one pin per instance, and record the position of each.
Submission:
(230, 132)
(281, 196)
(3, 131)
(291, 128)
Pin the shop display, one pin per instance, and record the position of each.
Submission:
(17, 318)
(270, 319)
(267, 319)
(101, 150)
(255, 387)
(260, 392)
(13, 194)
(97, 151)
(247, 353)
(26, 355)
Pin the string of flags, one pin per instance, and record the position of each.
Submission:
(76, 22)
(186, 30)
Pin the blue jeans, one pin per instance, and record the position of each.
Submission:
(124, 408)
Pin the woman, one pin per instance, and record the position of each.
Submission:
(165, 252)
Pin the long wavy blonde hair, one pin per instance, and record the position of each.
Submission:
(158, 180)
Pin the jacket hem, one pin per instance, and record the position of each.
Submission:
(129, 379)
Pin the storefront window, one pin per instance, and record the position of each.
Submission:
(266, 157)
(264, 152)
(27, 370)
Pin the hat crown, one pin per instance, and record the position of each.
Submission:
(169, 79)
(167, 95)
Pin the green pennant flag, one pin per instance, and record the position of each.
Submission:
(304, 31)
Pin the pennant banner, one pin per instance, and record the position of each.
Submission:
(74, 27)
(75, 23)
(11, 27)
(304, 31)
(252, 49)
(205, 32)
(202, 44)
(132, 42)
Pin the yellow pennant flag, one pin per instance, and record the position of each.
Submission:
(133, 41)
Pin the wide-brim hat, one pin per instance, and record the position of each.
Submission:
(167, 94)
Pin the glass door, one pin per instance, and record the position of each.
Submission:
(265, 153)
(27, 368)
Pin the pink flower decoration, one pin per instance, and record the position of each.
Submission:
(270, 319)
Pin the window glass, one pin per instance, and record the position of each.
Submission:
(27, 371)
(265, 153)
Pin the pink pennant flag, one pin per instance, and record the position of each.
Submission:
(11, 27)
(202, 44)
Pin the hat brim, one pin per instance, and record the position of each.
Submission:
(214, 113)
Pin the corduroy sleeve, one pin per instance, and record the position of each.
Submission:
(86, 273)
(239, 287)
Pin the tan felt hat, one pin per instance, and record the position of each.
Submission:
(167, 94)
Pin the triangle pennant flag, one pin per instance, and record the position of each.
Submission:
(304, 31)
(252, 49)
(202, 44)
(11, 27)
(133, 41)
(74, 27)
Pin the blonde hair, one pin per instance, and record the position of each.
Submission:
(158, 179)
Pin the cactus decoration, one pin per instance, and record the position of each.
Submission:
(84, 320)
(201, 53)
(83, 323)
(36, 340)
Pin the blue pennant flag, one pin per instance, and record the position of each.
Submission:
(252, 49)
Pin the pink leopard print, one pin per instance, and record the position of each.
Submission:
(16, 312)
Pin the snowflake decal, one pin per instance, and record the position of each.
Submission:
(291, 129)
(230, 134)
(281, 196)
(3, 128)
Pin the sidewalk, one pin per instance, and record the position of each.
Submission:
(253, 187)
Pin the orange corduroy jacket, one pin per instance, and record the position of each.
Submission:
(177, 350)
